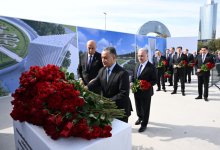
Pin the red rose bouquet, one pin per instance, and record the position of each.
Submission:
(182, 64)
(167, 74)
(50, 97)
(191, 64)
(208, 66)
(140, 85)
(162, 64)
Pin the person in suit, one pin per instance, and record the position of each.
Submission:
(217, 59)
(172, 53)
(179, 71)
(190, 59)
(217, 62)
(203, 76)
(160, 70)
(89, 65)
(144, 70)
(167, 53)
(114, 82)
(194, 59)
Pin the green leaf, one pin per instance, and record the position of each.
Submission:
(71, 76)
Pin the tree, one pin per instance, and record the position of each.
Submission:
(44, 28)
(217, 43)
(211, 46)
(67, 61)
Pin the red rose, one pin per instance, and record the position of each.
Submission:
(46, 98)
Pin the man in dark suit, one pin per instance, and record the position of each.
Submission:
(179, 70)
(189, 68)
(203, 76)
(89, 65)
(114, 82)
(172, 53)
(144, 70)
(160, 70)
(194, 59)
(167, 56)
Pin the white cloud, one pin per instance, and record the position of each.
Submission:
(102, 44)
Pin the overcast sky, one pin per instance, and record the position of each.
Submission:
(181, 17)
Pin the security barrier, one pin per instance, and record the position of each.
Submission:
(215, 76)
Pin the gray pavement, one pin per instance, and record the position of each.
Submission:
(176, 122)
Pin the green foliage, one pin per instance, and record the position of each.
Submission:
(44, 28)
(21, 45)
(67, 61)
(213, 45)
(217, 43)
(100, 109)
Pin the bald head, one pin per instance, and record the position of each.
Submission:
(91, 47)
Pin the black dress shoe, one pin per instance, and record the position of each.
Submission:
(164, 90)
(206, 99)
(158, 89)
(170, 85)
(189, 81)
(142, 129)
(199, 97)
(183, 94)
(138, 122)
(173, 92)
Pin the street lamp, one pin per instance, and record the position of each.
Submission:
(105, 18)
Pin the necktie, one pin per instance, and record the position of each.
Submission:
(107, 74)
(90, 61)
(203, 58)
(139, 70)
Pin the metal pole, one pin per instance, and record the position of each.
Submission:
(105, 19)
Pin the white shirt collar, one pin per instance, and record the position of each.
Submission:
(112, 67)
(144, 64)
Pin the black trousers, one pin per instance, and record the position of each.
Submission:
(160, 79)
(203, 80)
(179, 74)
(171, 78)
(142, 103)
(188, 74)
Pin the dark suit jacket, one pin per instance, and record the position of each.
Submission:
(190, 58)
(148, 74)
(89, 74)
(117, 88)
(209, 58)
(171, 62)
(176, 61)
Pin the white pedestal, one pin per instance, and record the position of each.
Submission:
(31, 137)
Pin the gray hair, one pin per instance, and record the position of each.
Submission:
(111, 50)
(144, 49)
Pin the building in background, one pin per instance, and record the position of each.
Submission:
(49, 50)
(208, 20)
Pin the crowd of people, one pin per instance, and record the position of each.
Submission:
(182, 64)
(100, 73)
